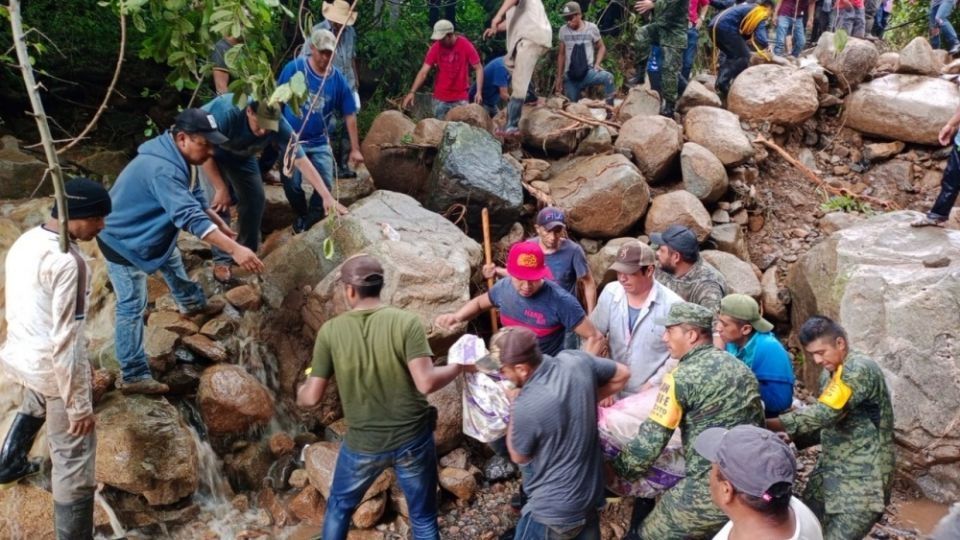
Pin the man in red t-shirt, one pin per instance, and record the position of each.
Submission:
(452, 55)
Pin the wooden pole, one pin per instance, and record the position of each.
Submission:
(488, 259)
(53, 163)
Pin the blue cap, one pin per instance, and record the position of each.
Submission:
(551, 217)
(679, 239)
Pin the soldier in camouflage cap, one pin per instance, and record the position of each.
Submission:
(683, 271)
(853, 421)
(709, 388)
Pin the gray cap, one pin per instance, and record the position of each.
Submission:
(751, 458)
(679, 239)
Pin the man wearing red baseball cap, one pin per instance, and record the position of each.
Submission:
(531, 300)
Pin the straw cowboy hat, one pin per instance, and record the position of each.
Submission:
(339, 12)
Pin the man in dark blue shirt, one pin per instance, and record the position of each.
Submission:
(496, 87)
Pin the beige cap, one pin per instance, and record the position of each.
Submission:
(441, 29)
(323, 40)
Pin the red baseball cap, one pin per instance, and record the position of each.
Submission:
(526, 262)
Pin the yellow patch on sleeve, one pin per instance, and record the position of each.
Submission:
(667, 411)
(837, 393)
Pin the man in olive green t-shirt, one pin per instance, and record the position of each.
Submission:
(384, 368)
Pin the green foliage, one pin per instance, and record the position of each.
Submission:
(840, 38)
(909, 20)
(846, 203)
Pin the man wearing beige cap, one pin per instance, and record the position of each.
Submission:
(627, 312)
(453, 55)
(742, 332)
(384, 368)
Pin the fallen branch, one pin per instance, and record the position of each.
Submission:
(588, 121)
(819, 182)
(538, 194)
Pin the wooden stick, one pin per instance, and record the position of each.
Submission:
(588, 121)
(488, 259)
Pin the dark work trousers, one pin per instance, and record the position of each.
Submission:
(736, 56)
(449, 8)
(949, 188)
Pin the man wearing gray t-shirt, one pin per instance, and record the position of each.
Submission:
(553, 431)
(578, 70)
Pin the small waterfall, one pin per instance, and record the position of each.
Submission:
(214, 489)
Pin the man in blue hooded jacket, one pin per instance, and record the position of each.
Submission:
(156, 195)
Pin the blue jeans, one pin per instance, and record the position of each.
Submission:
(530, 529)
(416, 466)
(786, 26)
(940, 18)
(441, 108)
(322, 159)
(573, 89)
(130, 286)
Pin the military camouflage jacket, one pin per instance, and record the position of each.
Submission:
(855, 421)
(672, 16)
(708, 388)
(702, 285)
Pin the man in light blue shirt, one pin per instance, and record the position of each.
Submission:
(626, 312)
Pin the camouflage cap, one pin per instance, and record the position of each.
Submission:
(687, 313)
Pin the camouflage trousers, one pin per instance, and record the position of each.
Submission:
(840, 526)
(673, 43)
(684, 511)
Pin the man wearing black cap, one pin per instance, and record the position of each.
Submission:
(46, 352)
(156, 195)
(383, 366)
(684, 271)
(553, 429)
(751, 479)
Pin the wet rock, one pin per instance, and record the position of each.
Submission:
(308, 506)
(583, 185)
(207, 348)
(718, 131)
(738, 274)
(268, 499)
(597, 142)
(470, 170)
(173, 322)
(908, 108)
(281, 444)
(231, 400)
(881, 151)
(26, 511)
(219, 327)
(299, 478)
(917, 58)
(678, 208)
(543, 130)
(472, 114)
(772, 93)
(370, 511)
(835, 221)
(457, 458)
(20, 173)
(248, 467)
(182, 379)
(144, 447)
(771, 297)
(459, 482)
(697, 95)
(159, 345)
(640, 101)
(870, 279)
(499, 468)
(449, 431)
(655, 143)
(244, 297)
(404, 170)
(729, 238)
(703, 174)
(851, 65)
(106, 162)
(320, 460)
(429, 132)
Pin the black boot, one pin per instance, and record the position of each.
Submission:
(14, 464)
(666, 109)
(74, 521)
(641, 509)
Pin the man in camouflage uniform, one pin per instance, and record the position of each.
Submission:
(709, 388)
(669, 30)
(683, 271)
(850, 485)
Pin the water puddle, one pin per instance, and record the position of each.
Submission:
(923, 514)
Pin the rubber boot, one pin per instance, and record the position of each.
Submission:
(14, 464)
(74, 521)
(641, 509)
(666, 109)
(514, 108)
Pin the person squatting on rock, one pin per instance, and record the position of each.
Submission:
(529, 299)
(249, 130)
(751, 480)
(529, 36)
(453, 55)
(156, 195)
(683, 270)
(668, 29)
(553, 432)
(742, 332)
(853, 422)
(311, 128)
(708, 388)
(735, 31)
(45, 351)
(579, 57)
(950, 182)
(384, 368)
(496, 87)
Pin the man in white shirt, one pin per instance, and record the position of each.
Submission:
(751, 481)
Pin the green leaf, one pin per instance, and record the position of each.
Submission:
(298, 84)
(281, 94)
(328, 250)
(840, 40)
(138, 22)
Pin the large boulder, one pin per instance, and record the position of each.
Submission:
(729, 237)
(908, 108)
(428, 266)
(736, 272)
(777, 94)
(320, 461)
(640, 101)
(917, 57)
(231, 400)
(851, 65)
(470, 170)
(719, 131)
(603, 196)
(20, 173)
(144, 447)
(429, 132)
(392, 165)
(697, 95)
(678, 208)
(545, 131)
(703, 174)
(472, 114)
(655, 143)
(894, 289)
(449, 430)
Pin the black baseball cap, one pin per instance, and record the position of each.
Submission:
(679, 239)
(200, 122)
